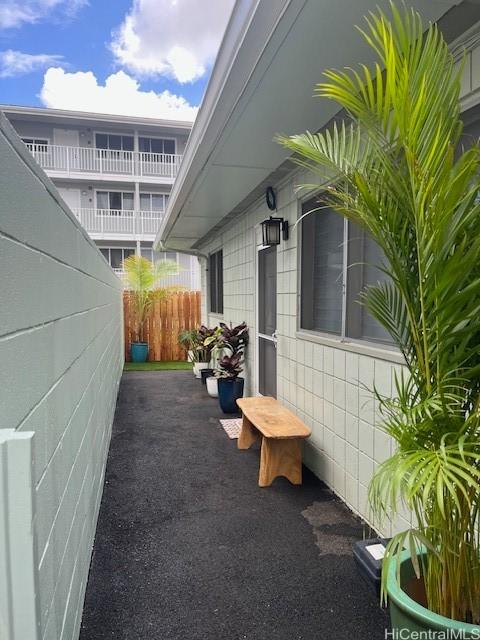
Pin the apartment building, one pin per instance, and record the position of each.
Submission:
(115, 173)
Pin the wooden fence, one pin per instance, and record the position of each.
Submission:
(168, 318)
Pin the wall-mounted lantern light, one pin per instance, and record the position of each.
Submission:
(271, 230)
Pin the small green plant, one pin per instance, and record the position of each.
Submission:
(396, 168)
(143, 278)
(188, 339)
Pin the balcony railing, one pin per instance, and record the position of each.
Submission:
(72, 160)
(187, 278)
(122, 222)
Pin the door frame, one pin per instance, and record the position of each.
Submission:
(258, 248)
(76, 131)
(76, 190)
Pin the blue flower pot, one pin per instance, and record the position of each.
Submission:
(139, 351)
(229, 390)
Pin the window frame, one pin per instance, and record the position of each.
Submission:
(109, 191)
(152, 193)
(215, 282)
(163, 153)
(111, 133)
(109, 249)
(36, 142)
(370, 346)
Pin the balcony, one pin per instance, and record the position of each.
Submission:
(72, 161)
(120, 224)
(187, 277)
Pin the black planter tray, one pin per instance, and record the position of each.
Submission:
(368, 556)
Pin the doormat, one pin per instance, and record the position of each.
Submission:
(232, 427)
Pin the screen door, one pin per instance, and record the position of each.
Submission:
(267, 321)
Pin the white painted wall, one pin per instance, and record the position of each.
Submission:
(60, 363)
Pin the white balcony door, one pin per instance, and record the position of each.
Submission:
(66, 159)
(71, 197)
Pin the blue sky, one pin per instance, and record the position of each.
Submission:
(144, 57)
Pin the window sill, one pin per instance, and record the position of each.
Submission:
(360, 347)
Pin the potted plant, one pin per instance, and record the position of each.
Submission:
(215, 341)
(202, 352)
(230, 386)
(397, 169)
(188, 339)
(142, 279)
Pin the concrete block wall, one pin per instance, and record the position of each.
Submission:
(328, 383)
(61, 358)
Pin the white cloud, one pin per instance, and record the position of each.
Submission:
(177, 38)
(16, 63)
(121, 95)
(14, 13)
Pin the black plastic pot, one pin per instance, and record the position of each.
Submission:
(206, 373)
(368, 555)
(229, 390)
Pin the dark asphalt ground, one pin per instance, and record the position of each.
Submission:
(188, 547)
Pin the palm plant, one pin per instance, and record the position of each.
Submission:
(144, 278)
(395, 168)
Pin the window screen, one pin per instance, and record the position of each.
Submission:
(215, 274)
(364, 258)
(338, 261)
(322, 271)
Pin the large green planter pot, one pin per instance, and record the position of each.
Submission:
(408, 617)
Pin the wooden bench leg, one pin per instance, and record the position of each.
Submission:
(280, 458)
(248, 434)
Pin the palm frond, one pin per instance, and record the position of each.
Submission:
(395, 168)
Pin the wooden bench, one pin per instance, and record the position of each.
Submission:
(281, 432)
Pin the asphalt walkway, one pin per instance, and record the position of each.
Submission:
(188, 547)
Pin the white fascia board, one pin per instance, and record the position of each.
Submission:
(55, 114)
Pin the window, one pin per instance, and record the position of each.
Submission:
(113, 142)
(338, 261)
(156, 145)
(322, 267)
(215, 274)
(116, 255)
(152, 203)
(115, 202)
(36, 144)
